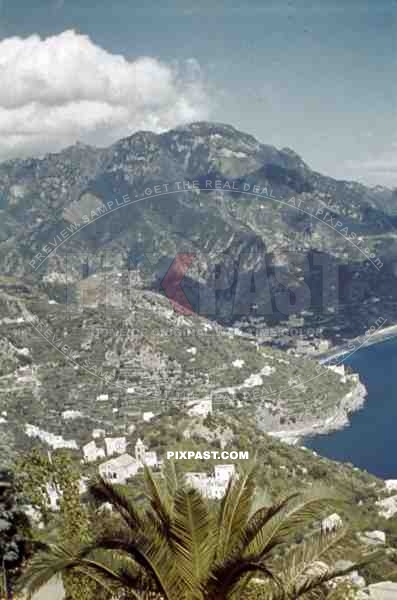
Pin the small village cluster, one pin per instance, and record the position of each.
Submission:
(121, 466)
(118, 466)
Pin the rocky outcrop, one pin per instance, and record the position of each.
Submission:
(351, 402)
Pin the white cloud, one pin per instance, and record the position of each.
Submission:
(65, 88)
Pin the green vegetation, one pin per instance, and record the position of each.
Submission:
(15, 534)
(178, 546)
(37, 475)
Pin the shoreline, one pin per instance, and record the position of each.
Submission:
(351, 402)
(359, 342)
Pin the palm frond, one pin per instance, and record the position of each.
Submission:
(170, 477)
(316, 578)
(234, 512)
(193, 539)
(258, 520)
(235, 574)
(183, 547)
(307, 568)
(296, 514)
(151, 554)
(48, 564)
(104, 491)
(160, 501)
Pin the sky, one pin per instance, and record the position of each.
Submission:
(318, 77)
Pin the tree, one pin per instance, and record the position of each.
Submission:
(74, 527)
(182, 547)
(34, 476)
(37, 472)
(14, 534)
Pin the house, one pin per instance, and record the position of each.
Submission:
(151, 459)
(384, 590)
(212, 487)
(71, 414)
(148, 416)
(143, 456)
(200, 408)
(119, 469)
(331, 523)
(103, 397)
(304, 346)
(224, 473)
(373, 538)
(391, 484)
(193, 476)
(97, 433)
(323, 345)
(387, 507)
(25, 374)
(53, 440)
(115, 445)
(92, 453)
(207, 486)
(238, 363)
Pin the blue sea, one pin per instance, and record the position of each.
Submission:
(370, 442)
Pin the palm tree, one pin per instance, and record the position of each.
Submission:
(180, 546)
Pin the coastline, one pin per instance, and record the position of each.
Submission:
(357, 343)
(351, 402)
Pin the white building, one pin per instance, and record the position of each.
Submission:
(193, 476)
(115, 445)
(55, 441)
(213, 487)
(118, 470)
(238, 363)
(151, 459)
(387, 507)
(373, 538)
(25, 374)
(143, 456)
(323, 345)
(331, 523)
(71, 414)
(148, 416)
(224, 473)
(97, 433)
(92, 453)
(200, 408)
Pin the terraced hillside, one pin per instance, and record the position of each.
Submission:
(111, 364)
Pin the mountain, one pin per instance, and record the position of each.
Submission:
(149, 299)
(144, 272)
(75, 202)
